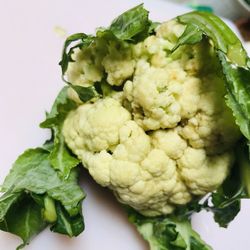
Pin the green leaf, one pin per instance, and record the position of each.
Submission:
(60, 156)
(221, 35)
(224, 208)
(85, 93)
(32, 172)
(167, 233)
(24, 219)
(131, 23)
(152, 27)
(48, 145)
(185, 212)
(32, 189)
(226, 200)
(65, 224)
(191, 35)
(6, 201)
(80, 39)
(244, 162)
(238, 97)
(60, 109)
(69, 193)
(103, 88)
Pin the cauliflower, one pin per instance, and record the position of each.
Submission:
(164, 134)
(157, 113)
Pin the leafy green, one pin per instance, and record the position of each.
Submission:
(238, 97)
(41, 187)
(60, 156)
(84, 93)
(244, 163)
(131, 24)
(194, 206)
(224, 208)
(191, 35)
(167, 233)
(71, 226)
(24, 219)
(33, 191)
(103, 88)
(80, 39)
(6, 201)
(213, 27)
(33, 173)
(226, 199)
(60, 109)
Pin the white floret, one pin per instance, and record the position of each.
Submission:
(170, 142)
(212, 127)
(96, 126)
(134, 143)
(153, 95)
(120, 155)
(85, 69)
(118, 64)
(170, 30)
(203, 173)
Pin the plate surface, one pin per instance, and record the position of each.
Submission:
(30, 79)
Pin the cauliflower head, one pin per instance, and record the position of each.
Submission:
(164, 134)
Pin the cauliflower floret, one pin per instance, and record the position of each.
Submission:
(212, 127)
(98, 166)
(170, 30)
(153, 95)
(190, 97)
(170, 142)
(204, 131)
(202, 173)
(86, 68)
(118, 64)
(134, 143)
(96, 126)
(153, 47)
(120, 155)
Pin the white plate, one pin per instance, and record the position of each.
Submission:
(30, 79)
